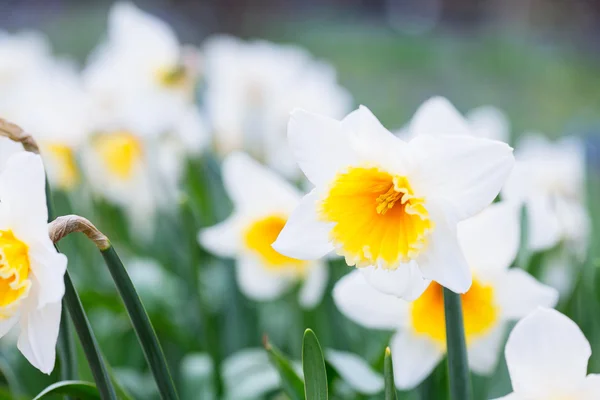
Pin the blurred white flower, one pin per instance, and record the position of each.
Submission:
(20, 55)
(52, 106)
(140, 72)
(31, 270)
(547, 357)
(262, 204)
(251, 88)
(489, 122)
(549, 178)
(388, 204)
(490, 241)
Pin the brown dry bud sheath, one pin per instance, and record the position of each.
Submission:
(17, 134)
(62, 226)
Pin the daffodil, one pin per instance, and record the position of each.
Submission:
(549, 179)
(389, 205)
(31, 270)
(249, 107)
(547, 357)
(141, 70)
(490, 242)
(61, 121)
(262, 204)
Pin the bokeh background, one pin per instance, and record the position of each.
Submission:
(538, 60)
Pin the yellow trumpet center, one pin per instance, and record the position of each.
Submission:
(378, 219)
(120, 153)
(480, 312)
(176, 77)
(61, 159)
(259, 237)
(14, 272)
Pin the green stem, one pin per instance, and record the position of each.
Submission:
(66, 350)
(141, 324)
(458, 365)
(88, 341)
(72, 304)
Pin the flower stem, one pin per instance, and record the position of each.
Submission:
(458, 366)
(141, 324)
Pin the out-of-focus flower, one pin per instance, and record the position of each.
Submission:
(248, 374)
(547, 357)
(51, 105)
(251, 88)
(31, 270)
(490, 242)
(141, 172)
(489, 122)
(387, 204)
(140, 72)
(549, 178)
(262, 204)
(20, 55)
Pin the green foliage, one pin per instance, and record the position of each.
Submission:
(313, 365)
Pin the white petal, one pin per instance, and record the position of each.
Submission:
(437, 116)
(372, 141)
(365, 305)
(255, 188)
(511, 396)
(484, 352)
(519, 294)
(490, 240)
(22, 187)
(465, 172)
(319, 145)
(489, 122)
(7, 324)
(543, 224)
(405, 282)
(248, 374)
(39, 333)
(256, 282)
(442, 259)
(304, 236)
(355, 371)
(591, 388)
(48, 267)
(314, 286)
(414, 358)
(546, 354)
(223, 239)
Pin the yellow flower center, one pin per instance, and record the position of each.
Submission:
(14, 271)
(378, 219)
(176, 77)
(120, 152)
(62, 160)
(259, 237)
(480, 312)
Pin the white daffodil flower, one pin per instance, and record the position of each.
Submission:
(31, 270)
(20, 55)
(60, 122)
(489, 122)
(549, 178)
(490, 242)
(249, 107)
(138, 172)
(262, 204)
(547, 357)
(390, 206)
(140, 70)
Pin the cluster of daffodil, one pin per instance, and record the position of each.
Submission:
(440, 204)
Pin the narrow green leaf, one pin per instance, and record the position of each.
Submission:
(141, 324)
(82, 326)
(78, 389)
(458, 365)
(388, 376)
(291, 383)
(66, 349)
(315, 375)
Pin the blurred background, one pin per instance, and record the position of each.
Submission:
(537, 60)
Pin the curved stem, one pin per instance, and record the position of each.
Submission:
(458, 365)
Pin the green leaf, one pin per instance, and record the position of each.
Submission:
(315, 375)
(141, 324)
(78, 389)
(458, 365)
(291, 383)
(388, 376)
